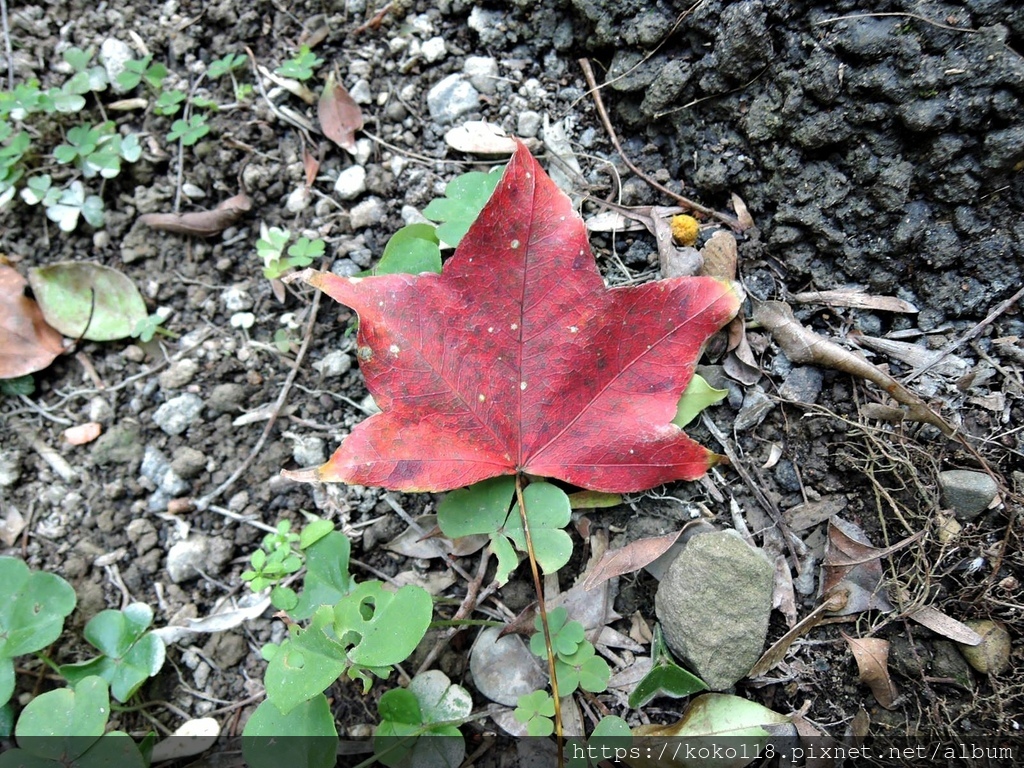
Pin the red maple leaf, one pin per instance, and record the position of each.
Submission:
(517, 358)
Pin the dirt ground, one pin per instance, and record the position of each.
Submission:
(878, 150)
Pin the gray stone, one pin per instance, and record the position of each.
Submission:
(528, 124)
(713, 605)
(482, 72)
(226, 398)
(451, 98)
(10, 468)
(157, 468)
(118, 445)
(177, 414)
(756, 405)
(334, 363)
(802, 385)
(434, 50)
(490, 25)
(143, 534)
(351, 183)
(197, 553)
(504, 669)
(100, 410)
(967, 493)
(188, 462)
(367, 213)
(180, 373)
(186, 556)
(308, 451)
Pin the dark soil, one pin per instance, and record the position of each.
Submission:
(880, 151)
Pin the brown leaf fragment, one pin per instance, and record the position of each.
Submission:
(340, 116)
(852, 564)
(629, 558)
(856, 298)
(944, 625)
(872, 657)
(743, 217)
(804, 346)
(810, 513)
(310, 164)
(720, 256)
(783, 592)
(27, 343)
(205, 223)
(740, 364)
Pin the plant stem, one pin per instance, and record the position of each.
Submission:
(539, 587)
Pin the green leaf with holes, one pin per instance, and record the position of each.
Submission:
(384, 627)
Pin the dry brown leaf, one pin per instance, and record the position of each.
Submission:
(803, 346)
(810, 513)
(783, 593)
(853, 565)
(340, 116)
(630, 558)
(743, 217)
(311, 165)
(857, 299)
(720, 256)
(944, 625)
(27, 343)
(83, 433)
(425, 541)
(740, 364)
(915, 355)
(872, 657)
(201, 223)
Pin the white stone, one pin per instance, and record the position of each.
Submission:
(361, 93)
(298, 199)
(367, 213)
(434, 50)
(175, 416)
(482, 72)
(114, 54)
(351, 183)
(451, 98)
(334, 363)
(236, 299)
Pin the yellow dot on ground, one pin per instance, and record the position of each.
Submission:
(685, 229)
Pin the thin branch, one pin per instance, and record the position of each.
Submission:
(595, 91)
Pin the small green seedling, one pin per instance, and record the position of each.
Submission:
(32, 615)
(86, 79)
(226, 65)
(147, 327)
(66, 727)
(188, 131)
(487, 508)
(432, 705)
(274, 562)
(465, 196)
(698, 396)
(301, 65)
(143, 70)
(536, 711)
(169, 102)
(271, 245)
(129, 654)
(40, 189)
(73, 204)
(576, 664)
(98, 150)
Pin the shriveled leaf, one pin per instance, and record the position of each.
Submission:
(720, 256)
(594, 500)
(630, 558)
(857, 298)
(945, 625)
(517, 358)
(852, 564)
(88, 300)
(201, 223)
(27, 343)
(872, 657)
(340, 116)
(803, 345)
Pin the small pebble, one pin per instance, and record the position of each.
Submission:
(482, 72)
(351, 183)
(334, 363)
(176, 415)
(367, 213)
(966, 492)
(452, 98)
(434, 50)
(226, 398)
(180, 373)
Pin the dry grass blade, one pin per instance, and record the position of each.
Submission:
(857, 299)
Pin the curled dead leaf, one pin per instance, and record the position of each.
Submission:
(340, 116)
(630, 558)
(720, 256)
(27, 343)
(872, 657)
(856, 298)
(201, 223)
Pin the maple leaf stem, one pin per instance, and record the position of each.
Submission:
(539, 588)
